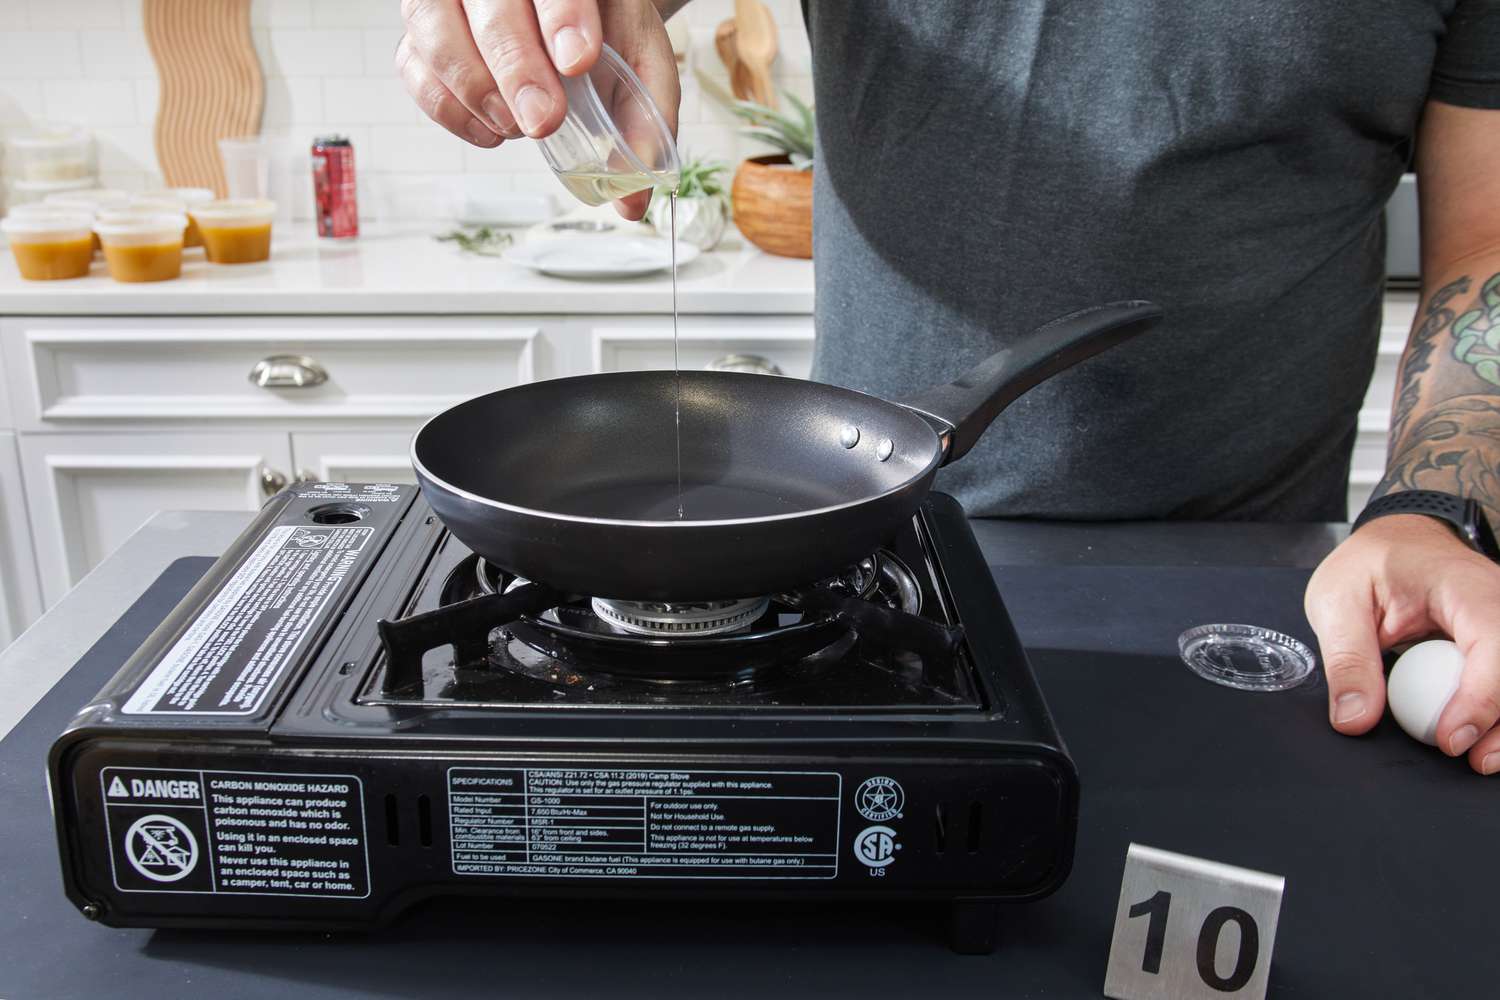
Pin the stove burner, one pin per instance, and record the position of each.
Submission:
(694, 618)
(655, 643)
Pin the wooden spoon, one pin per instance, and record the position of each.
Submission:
(724, 41)
(755, 44)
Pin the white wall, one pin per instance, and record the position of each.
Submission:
(327, 67)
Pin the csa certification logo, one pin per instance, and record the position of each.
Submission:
(161, 848)
(876, 846)
(879, 799)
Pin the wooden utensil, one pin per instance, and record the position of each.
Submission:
(724, 42)
(211, 85)
(755, 46)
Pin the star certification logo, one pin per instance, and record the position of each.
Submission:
(879, 799)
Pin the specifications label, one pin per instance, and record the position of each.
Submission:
(232, 654)
(235, 832)
(570, 823)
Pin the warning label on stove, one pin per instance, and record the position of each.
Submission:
(232, 654)
(234, 832)
(571, 823)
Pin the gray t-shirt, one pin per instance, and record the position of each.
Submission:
(986, 166)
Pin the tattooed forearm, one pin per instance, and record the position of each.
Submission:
(1436, 318)
(1445, 424)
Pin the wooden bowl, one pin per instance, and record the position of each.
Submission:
(773, 206)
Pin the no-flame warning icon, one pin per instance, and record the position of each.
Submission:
(161, 848)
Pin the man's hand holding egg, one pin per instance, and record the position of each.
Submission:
(1399, 579)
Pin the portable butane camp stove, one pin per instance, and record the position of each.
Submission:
(328, 728)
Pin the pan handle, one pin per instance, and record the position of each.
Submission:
(970, 403)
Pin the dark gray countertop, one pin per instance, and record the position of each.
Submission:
(1387, 847)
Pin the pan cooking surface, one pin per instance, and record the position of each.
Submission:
(656, 500)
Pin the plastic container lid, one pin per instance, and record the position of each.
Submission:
(1247, 657)
(234, 212)
(90, 199)
(185, 196)
(139, 204)
(23, 192)
(49, 139)
(613, 126)
(43, 224)
(140, 228)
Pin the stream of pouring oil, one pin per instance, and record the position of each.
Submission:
(676, 361)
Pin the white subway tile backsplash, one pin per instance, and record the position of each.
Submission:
(354, 13)
(292, 98)
(415, 148)
(147, 97)
(376, 100)
(125, 148)
(39, 55)
(75, 13)
(132, 180)
(511, 156)
(20, 102)
(89, 102)
(113, 53)
(314, 52)
(380, 50)
(281, 13)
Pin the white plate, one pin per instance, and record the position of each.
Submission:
(599, 256)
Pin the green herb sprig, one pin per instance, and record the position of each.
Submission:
(482, 240)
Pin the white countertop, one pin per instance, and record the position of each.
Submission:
(43, 653)
(404, 270)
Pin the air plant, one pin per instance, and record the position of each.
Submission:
(792, 134)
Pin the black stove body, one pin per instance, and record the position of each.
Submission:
(265, 760)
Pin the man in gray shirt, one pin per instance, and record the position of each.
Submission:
(986, 166)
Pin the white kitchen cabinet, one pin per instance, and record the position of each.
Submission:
(87, 492)
(354, 456)
(20, 593)
(638, 344)
(89, 371)
(1368, 463)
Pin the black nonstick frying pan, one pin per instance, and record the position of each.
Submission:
(574, 481)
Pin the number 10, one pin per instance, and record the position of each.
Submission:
(1157, 908)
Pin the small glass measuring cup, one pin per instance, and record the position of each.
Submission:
(614, 140)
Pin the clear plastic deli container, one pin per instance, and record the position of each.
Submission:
(142, 246)
(614, 140)
(92, 200)
(34, 192)
(49, 244)
(235, 231)
(50, 153)
(185, 198)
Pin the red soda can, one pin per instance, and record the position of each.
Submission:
(333, 186)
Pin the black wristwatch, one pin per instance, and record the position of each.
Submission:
(1465, 514)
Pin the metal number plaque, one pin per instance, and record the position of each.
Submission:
(1189, 928)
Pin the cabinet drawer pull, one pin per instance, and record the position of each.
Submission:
(288, 371)
(753, 363)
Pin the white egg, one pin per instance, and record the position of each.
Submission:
(1420, 684)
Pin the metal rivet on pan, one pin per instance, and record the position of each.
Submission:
(849, 436)
(884, 448)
